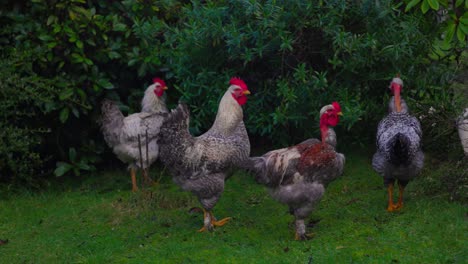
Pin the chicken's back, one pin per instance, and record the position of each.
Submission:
(189, 156)
(309, 161)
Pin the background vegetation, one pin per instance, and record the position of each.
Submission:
(61, 58)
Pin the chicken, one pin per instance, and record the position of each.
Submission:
(297, 175)
(399, 155)
(200, 164)
(131, 138)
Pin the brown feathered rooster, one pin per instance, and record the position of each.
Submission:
(399, 155)
(199, 164)
(133, 138)
(297, 175)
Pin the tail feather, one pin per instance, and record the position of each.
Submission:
(111, 122)
(176, 124)
(257, 166)
(399, 147)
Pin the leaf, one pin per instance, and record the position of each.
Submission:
(460, 34)
(51, 19)
(79, 44)
(411, 4)
(114, 55)
(62, 168)
(64, 114)
(75, 112)
(84, 166)
(464, 28)
(45, 37)
(120, 27)
(65, 94)
(458, 3)
(450, 32)
(434, 4)
(425, 6)
(106, 84)
(72, 154)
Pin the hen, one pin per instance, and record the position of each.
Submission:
(399, 155)
(199, 164)
(297, 175)
(131, 138)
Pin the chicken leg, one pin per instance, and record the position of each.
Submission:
(391, 206)
(210, 221)
(399, 205)
(148, 180)
(134, 183)
(300, 231)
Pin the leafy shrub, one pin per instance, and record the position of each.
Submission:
(446, 178)
(295, 56)
(23, 98)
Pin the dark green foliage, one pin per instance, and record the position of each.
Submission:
(24, 99)
(295, 56)
(447, 178)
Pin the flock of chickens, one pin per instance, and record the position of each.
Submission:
(296, 175)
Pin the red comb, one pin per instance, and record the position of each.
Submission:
(160, 81)
(336, 106)
(237, 81)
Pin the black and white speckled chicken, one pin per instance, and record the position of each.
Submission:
(297, 175)
(133, 138)
(399, 156)
(199, 164)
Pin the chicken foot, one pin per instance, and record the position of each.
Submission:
(210, 221)
(301, 232)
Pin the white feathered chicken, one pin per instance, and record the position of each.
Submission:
(199, 164)
(399, 155)
(134, 138)
(297, 175)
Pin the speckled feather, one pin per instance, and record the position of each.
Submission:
(297, 175)
(399, 154)
(200, 164)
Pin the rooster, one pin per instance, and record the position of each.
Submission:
(297, 175)
(130, 137)
(199, 164)
(399, 155)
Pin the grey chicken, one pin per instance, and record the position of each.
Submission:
(297, 175)
(399, 156)
(133, 138)
(199, 164)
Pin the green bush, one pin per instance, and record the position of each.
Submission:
(295, 56)
(24, 97)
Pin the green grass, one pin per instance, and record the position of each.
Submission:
(101, 221)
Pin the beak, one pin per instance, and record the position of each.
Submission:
(165, 88)
(246, 92)
(340, 113)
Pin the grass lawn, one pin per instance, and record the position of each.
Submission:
(99, 220)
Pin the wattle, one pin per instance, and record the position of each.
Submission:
(158, 92)
(241, 100)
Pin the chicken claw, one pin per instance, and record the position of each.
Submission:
(213, 222)
(303, 237)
